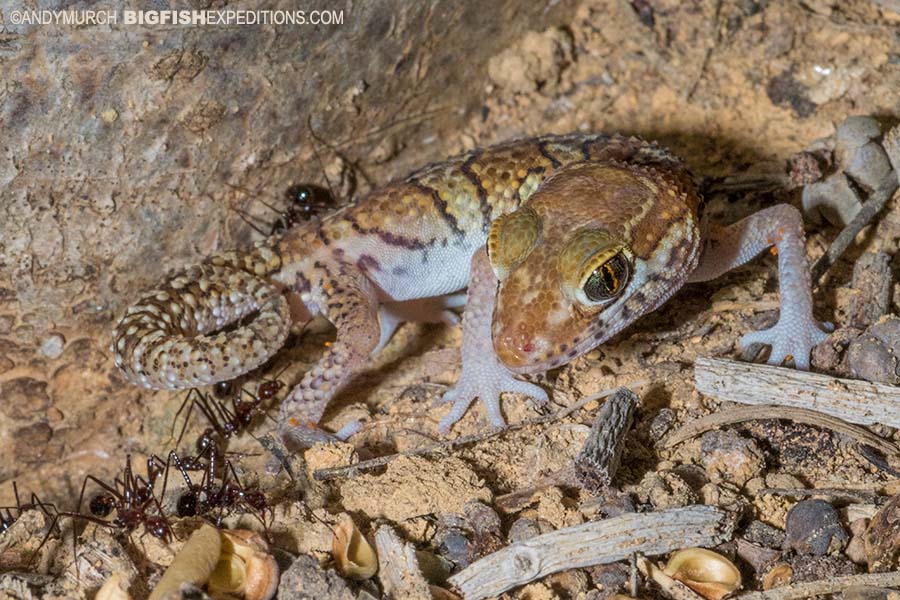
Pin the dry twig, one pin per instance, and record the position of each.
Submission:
(593, 543)
(742, 414)
(398, 568)
(826, 586)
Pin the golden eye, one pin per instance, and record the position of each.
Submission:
(608, 280)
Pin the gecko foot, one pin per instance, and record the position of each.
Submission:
(791, 336)
(487, 382)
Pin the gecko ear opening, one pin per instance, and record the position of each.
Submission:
(595, 267)
(511, 239)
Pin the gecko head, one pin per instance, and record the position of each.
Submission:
(580, 261)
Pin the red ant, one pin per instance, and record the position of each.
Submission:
(224, 421)
(7, 519)
(132, 498)
(216, 491)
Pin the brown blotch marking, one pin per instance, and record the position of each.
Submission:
(542, 148)
(441, 206)
(467, 169)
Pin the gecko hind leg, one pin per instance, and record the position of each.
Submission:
(797, 332)
(483, 375)
(350, 302)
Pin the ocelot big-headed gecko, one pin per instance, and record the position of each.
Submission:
(562, 242)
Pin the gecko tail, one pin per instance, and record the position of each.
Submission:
(176, 336)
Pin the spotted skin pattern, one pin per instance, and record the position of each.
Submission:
(551, 213)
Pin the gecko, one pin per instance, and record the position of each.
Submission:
(555, 244)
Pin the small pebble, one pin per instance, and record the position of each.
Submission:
(869, 166)
(764, 534)
(853, 133)
(813, 527)
(53, 345)
(831, 199)
(523, 529)
(873, 356)
(664, 490)
(727, 456)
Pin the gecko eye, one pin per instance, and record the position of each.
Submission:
(608, 279)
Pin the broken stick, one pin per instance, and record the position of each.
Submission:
(398, 568)
(599, 458)
(593, 543)
(832, 585)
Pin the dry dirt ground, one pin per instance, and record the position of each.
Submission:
(725, 85)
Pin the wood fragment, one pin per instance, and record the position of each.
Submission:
(598, 460)
(742, 414)
(398, 568)
(835, 494)
(862, 402)
(872, 283)
(450, 445)
(593, 543)
(833, 585)
(864, 217)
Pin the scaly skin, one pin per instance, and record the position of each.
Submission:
(567, 212)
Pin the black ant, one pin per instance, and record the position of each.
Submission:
(132, 498)
(304, 202)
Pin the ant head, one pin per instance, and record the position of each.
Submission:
(102, 504)
(143, 493)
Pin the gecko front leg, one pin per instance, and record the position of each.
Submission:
(483, 375)
(797, 332)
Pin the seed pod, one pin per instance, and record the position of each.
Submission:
(245, 567)
(709, 574)
(353, 555)
(115, 588)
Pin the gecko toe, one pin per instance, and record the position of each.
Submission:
(487, 385)
(789, 338)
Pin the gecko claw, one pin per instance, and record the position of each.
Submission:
(789, 338)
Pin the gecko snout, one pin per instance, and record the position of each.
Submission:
(517, 347)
